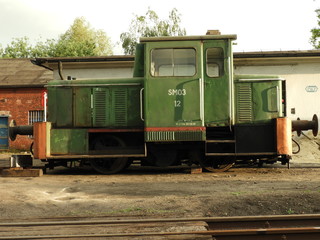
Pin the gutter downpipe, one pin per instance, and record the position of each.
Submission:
(60, 68)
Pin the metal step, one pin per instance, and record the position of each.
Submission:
(241, 154)
(220, 154)
(221, 141)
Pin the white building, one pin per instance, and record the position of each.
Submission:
(301, 69)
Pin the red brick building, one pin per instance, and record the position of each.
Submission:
(21, 95)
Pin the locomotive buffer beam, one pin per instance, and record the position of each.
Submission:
(304, 125)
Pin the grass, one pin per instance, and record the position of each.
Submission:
(237, 193)
(290, 211)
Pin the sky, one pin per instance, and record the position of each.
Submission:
(261, 25)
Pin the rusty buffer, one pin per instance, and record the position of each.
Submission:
(15, 130)
(303, 125)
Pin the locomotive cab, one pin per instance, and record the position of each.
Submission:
(194, 106)
(188, 86)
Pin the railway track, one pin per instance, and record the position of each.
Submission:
(281, 227)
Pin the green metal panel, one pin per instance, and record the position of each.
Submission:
(95, 103)
(218, 87)
(52, 105)
(117, 106)
(64, 106)
(69, 141)
(134, 107)
(267, 100)
(138, 70)
(166, 109)
(174, 101)
(258, 98)
(60, 106)
(82, 107)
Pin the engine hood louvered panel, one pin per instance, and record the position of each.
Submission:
(244, 102)
(110, 107)
(120, 107)
(100, 114)
(165, 136)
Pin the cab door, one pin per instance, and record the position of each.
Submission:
(173, 94)
(218, 90)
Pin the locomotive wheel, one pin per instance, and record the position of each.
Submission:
(220, 164)
(108, 165)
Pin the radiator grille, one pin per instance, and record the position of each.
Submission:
(100, 108)
(110, 107)
(120, 107)
(244, 98)
(162, 136)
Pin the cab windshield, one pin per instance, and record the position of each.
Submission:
(173, 62)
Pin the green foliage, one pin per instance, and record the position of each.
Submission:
(314, 40)
(290, 211)
(19, 48)
(151, 26)
(79, 40)
(44, 49)
(82, 40)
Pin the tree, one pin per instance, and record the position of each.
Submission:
(314, 40)
(79, 40)
(82, 40)
(19, 48)
(151, 26)
(22, 48)
(44, 49)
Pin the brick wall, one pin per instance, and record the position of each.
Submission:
(16, 103)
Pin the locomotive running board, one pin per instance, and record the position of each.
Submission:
(115, 153)
(241, 154)
(94, 156)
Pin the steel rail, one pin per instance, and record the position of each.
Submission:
(224, 228)
(217, 234)
(232, 221)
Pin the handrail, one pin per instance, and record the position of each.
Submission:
(141, 104)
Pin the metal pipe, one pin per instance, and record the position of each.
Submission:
(60, 70)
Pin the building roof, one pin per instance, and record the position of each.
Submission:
(264, 58)
(268, 54)
(22, 73)
(187, 38)
(121, 61)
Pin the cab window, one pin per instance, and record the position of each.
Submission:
(214, 57)
(173, 62)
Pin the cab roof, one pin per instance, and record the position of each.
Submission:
(188, 38)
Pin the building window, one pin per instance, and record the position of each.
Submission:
(35, 116)
(173, 62)
(215, 62)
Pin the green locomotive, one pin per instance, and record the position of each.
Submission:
(183, 105)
